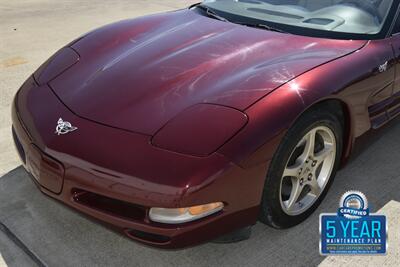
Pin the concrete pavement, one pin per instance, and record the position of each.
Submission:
(32, 30)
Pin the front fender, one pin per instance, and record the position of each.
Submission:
(268, 121)
(354, 80)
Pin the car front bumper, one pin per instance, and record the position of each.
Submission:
(116, 176)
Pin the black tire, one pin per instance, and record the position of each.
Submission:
(271, 212)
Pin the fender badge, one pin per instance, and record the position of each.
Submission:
(383, 67)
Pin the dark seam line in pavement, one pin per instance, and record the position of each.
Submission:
(21, 245)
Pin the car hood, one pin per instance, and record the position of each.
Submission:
(138, 74)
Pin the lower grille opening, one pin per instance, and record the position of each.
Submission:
(109, 206)
(153, 238)
(19, 147)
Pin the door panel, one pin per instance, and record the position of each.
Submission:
(378, 106)
(394, 107)
(381, 83)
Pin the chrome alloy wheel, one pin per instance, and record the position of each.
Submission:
(308, 170)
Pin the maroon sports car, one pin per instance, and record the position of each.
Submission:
(181, 127)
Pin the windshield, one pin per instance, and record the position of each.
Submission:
(366, 17)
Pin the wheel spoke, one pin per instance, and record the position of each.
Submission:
(310, 144)
(322, 155)
(292, 171)
(295, 194)
(315, 188)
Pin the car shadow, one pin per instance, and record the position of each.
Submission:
(59, 236)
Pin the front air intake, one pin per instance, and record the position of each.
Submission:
(110, 206)
(148, 237)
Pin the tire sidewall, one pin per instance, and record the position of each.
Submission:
(271, 209)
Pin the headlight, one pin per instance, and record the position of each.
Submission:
(182, 215)
(57, 64)
(200, 130)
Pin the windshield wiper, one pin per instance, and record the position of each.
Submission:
(262, 26)
(211, 13)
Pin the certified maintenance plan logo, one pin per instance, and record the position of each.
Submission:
(353, 230)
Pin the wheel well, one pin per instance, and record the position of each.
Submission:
(342, 110)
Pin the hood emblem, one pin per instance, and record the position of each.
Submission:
(64, 127)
